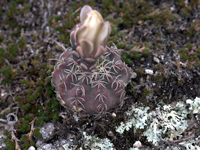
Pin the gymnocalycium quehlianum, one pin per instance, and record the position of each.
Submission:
(90, 77)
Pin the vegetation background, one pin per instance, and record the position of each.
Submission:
(159, 35)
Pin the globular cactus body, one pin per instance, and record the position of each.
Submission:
(90, 78)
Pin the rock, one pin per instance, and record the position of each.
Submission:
(39, 143)
(149, 71)
(137, 144)
(47, 131)
(47, 147)
(31, 148)
(156, 60)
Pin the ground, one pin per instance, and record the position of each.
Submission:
(162, 36)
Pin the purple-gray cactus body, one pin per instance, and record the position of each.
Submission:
(89, 78)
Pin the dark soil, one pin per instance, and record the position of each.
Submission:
(163, 36)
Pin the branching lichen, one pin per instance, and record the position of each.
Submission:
(95, 142)
(194, 105)
(168, 121)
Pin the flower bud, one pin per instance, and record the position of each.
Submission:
(92, 35)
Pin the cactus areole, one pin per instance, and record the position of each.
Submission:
(90, 78)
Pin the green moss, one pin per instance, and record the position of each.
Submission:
(6, 133)
(186, 11)
(148, 44)
(25, 9)
(126, 59)
(47, 80)
(37, 57)
(128, 47)
(25, 107)
(160, 78)
(120, 45)
(55, 103)
(113, 30)
(134, 84)
(30, 91)
(43, 66)
(30, 98)
(147, 52)
(1, 12)
(20, 72)
(49, 92)
(39, 110)
(23, 65)
(18, 31)
(22, 42)
(23, 138)
(39, 121)
(19, 1)
(23, 126)
(54, 19)
(119, 34)
(17, 99)
(34, 63)
(55, 116)
(135, 55)
(146, 91)
(28, 117)
(10, 144)
(25, 81)
(2, 55)
(1, 37)
(39, 89)
(8, 74)
(26, 142)
(13, 7)
(180, 81)
(183, 54)
(190, 32)
(37, 132)
(128, 62)
(53, 109)
(43, 73)
(139, 71)
(118, 21)
(47, 117)
(13, 49)
(124, 56)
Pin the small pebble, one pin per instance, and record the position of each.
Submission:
(156, 60)
(58, 13)
(110, 133)
(137, 144)
(31, 148)
(149, 71)
(114, 115)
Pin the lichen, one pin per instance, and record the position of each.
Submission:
(168, 121)
(194, 105)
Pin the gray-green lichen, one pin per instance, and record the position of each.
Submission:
(194, 105)
(169, 120)
(94, 143)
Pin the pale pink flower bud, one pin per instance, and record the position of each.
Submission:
(92, 35)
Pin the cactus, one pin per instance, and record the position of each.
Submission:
(90, 78)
